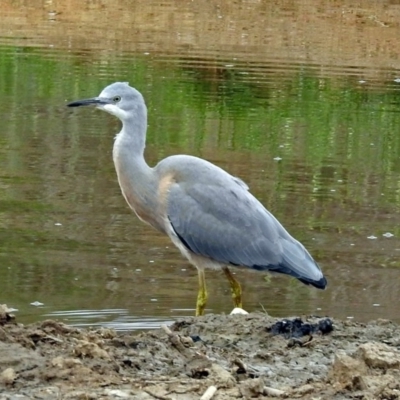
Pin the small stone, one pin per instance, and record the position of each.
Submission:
(252, 388)
(107, 333)
(346, 370)
(222, 376)
(5, 314)
(118, 394)
(379, 355)
(88, 349)
(238, 310)
(61, 362)
(8, 376)
(377, 384)
(303, 390)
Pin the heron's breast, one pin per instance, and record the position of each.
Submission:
(142, 199)
(135, 203)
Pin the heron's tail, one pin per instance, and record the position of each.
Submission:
(321, 284)
(297, 262)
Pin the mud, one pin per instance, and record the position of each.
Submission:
(211, 357)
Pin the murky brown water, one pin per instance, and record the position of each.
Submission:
(298, 98)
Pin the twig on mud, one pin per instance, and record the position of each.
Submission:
(304, 341)
(181, 343)
(269, 391)
(156, 396)
(243, 368)
(265, 311)
(161, 380)
(52, 339)
(209, 393)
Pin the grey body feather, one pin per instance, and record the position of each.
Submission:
(215, 216)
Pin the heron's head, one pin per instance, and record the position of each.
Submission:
(118, 99)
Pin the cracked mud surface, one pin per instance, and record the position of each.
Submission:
(234, 354)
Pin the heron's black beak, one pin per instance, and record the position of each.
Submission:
(94, 101)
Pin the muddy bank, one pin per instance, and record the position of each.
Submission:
(338, 33)
(231, 356)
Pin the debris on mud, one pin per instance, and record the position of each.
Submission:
(214, 357)
(5, 314)
(295, 328)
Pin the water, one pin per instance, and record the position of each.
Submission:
(310, 122)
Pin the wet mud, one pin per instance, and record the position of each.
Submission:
(211, 357)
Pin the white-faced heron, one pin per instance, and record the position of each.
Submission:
(208, 214)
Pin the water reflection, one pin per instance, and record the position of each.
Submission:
(316, 141)
(117, 319)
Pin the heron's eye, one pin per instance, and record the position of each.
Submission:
(116, 99)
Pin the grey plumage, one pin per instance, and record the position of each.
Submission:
(216, 216)
(208, 214)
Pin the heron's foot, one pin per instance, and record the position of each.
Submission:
(202, 295)
(201, 302)
(236, 289)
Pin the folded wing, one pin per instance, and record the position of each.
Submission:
(229, 225)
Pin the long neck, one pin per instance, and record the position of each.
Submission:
(135, 177)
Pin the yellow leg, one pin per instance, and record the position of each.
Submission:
(202, 295)
(235, 288)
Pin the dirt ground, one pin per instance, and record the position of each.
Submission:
(213, 357)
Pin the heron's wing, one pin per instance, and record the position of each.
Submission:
(229, 225)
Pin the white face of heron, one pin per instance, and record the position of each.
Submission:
(121, 100)
(114, 110)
